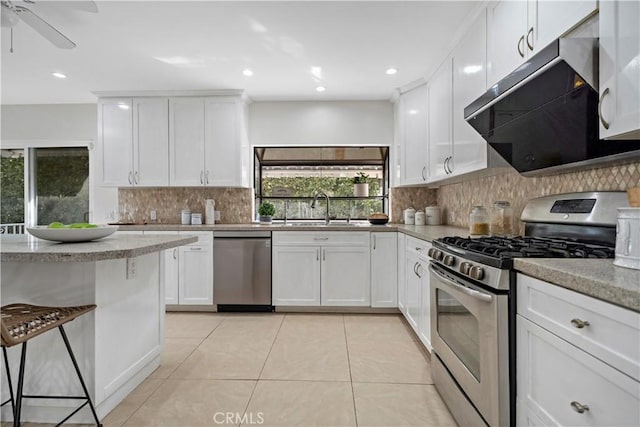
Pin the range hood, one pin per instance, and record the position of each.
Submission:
(543, 117)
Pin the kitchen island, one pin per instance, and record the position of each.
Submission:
(117, 346)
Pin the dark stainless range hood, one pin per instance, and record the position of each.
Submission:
(543, 117)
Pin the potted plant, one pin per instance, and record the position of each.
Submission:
(360, 185)
(266, 212)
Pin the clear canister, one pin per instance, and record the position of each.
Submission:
(501, 218)
(479, 221)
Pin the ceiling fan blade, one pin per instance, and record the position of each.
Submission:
(81, 5)
(41, 26)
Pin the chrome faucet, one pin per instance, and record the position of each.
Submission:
(313, 205)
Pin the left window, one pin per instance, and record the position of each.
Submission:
(40, 185)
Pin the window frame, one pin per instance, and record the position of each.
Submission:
(29, 146)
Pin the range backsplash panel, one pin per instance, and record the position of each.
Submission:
(234, 204)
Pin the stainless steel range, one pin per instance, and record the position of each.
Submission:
(473, 298)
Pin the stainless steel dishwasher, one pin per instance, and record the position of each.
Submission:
(242, 270)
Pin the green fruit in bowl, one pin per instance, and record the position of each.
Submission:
(56, 225)
(82, 225)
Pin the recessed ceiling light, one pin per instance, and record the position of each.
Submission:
(320, 89)
(392, 71)
(59, 75)
(247, 72)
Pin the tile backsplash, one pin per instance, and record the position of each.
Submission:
(457, 199)
(410, 197)
(234, 204)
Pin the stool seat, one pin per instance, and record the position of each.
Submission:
(21, 322)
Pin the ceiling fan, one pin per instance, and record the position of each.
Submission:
(13, 13)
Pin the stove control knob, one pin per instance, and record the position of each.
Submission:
(449, 260)
(464, 268)
(476, 272)
(435, 254)
(430, 252)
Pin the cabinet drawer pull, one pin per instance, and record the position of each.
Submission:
(530, 43)
(521, 49)
(320, 238)
(579, 408)
(579, 323)
(195, 249)
(605, 124)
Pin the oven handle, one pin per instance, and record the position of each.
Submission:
(471, 292)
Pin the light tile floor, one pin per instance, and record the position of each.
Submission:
(286, 370)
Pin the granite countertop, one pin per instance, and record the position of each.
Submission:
(25, 248)
(425, 232)
(597, 278)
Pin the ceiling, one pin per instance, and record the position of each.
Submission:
(184, 45)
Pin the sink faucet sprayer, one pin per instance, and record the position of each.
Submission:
(313, 205)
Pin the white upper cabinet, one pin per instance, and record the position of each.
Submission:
(151, 141)
(469, 80)
(186, 141)
(413, 136)
(132, 139)
(206, 142)
(620, 69)
(507, 22)
(519, 29)
(440, 148)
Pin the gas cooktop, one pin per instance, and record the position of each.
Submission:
(500, 251)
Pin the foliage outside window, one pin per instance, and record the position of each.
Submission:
(293, 186)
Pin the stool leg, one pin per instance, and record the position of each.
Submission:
(75, 365)
(6, 367)
(18, 408)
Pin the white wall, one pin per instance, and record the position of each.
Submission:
(321, 123)
(60, 122)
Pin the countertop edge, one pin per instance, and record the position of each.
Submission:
(102, 255)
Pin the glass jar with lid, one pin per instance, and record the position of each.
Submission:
(479, 221)
(501, 215)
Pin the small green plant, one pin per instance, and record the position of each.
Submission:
(361, 178)
(267, 209)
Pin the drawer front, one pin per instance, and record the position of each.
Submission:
(612, 334)
(418, 246)
(205, 238)
(325, 238)
(553, 375)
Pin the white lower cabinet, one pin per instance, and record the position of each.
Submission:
(418, 290)
(402, 281)
(384, 269)
(196, 271)
(187, 271)
(563, 340)
(328, 269)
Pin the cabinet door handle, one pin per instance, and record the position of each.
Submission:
(175, 254)
(201, 177)
(530, 43)
(578, 323)
(418, 267)
(521, 43)
(578, 407)
(317, 254)
(423, 169)
(206, 177)
(129, 178)
(374, 242)
(605, 124)
(135, 177)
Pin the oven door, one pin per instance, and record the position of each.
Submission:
(469, 333)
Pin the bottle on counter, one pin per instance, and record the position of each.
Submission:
(501, 218)
(479, 221)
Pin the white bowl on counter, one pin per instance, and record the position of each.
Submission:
(71, 235)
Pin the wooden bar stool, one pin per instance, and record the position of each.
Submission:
(20, 323)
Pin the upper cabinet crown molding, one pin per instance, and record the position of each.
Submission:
(170, 93)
